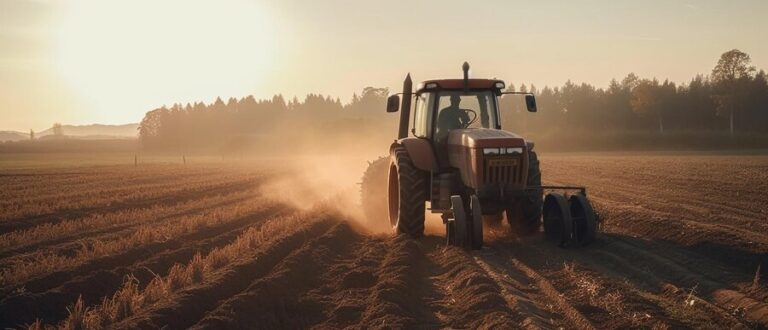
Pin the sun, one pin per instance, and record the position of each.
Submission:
(124, 57)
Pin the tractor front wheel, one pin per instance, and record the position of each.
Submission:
(524, 216)
(459, 226)
(477, 223)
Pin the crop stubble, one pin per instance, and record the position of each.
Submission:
(683, 239)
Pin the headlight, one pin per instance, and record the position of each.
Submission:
(502, 151)
(491, 151)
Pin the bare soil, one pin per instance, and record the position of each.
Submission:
(682, 243)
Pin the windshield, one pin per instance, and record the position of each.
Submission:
(458, 109)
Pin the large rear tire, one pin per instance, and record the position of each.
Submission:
(525, 217)
(407, 194)
(373, 193)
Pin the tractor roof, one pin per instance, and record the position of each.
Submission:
(459, 84)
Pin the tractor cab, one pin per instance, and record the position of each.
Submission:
(445, 105)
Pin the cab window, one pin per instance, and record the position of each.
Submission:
(460, 110)
(422, 114)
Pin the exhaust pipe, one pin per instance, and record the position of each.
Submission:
(405, 107)
(465, 68)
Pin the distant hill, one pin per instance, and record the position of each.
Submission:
(96, 131)
(89, 132)
(13, 136)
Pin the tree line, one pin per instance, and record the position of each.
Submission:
(733, 99)
(245, 122)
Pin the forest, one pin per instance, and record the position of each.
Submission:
(727, 108)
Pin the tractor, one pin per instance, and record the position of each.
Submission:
(454, 154)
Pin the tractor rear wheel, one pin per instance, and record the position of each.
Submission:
(373, 193)
(407, 194)
(525, 217)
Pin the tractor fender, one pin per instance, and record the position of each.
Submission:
(420, 151)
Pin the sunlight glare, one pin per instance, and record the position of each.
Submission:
(119, 55)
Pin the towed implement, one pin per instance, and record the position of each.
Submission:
(452, 152)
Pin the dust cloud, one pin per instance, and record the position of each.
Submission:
(330, 181)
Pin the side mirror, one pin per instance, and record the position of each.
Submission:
(393, 103)
(530, 102)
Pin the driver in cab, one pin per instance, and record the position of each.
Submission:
(451, 117)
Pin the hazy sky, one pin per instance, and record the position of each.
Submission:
(111, 61)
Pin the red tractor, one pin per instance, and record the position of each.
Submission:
(454, 154)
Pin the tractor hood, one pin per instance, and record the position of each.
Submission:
(466, 152)
(484, 138)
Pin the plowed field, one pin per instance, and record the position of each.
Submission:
(263, 246)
